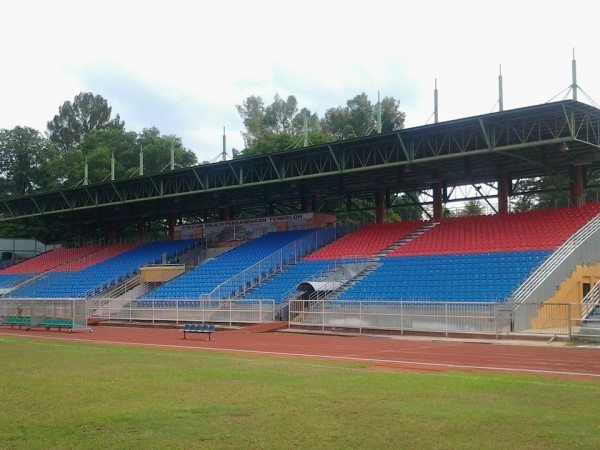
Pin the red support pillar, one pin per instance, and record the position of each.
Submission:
(171, 219)
(437, 201)
(577, 190)
(86, 234)
(306, 203)
(225, 213)
(142, 229)
(503, 183)
(379, 205)
(112, 233)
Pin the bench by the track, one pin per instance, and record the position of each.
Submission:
(207, 328)
(47, 322)
(20, 321)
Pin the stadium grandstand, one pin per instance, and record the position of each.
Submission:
(228, 259)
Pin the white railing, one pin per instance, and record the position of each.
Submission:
(447, 318)
(177, 310)
(274, 263)
(590, 301)
(555, 261)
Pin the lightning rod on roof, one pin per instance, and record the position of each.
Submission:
(224, 145)
(378, 113)
(172, 156)
(574, 76)
(112, 166)
(141, 160)
(500, 91)
(435, 103)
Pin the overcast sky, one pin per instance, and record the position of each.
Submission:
(183, 66)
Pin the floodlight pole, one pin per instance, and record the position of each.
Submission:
(86, 180)
(224, 145)
(378, 113)
(500, 91)
(435, 103)
(574, 76)
(141, 160)
(305, 129)
(172, 156)
(112, 167)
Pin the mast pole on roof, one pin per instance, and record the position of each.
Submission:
(435, 103)
(500, 91)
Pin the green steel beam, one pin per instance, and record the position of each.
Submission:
(517, 134)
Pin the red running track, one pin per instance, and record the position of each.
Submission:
(387, 353)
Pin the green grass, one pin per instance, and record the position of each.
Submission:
(74, 395)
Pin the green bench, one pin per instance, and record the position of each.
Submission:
(21, 321)
(56, 323)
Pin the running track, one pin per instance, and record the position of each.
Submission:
(377, 353)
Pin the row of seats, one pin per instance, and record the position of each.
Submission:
(367, 241)
(279, 286)
(10, 279)
(467, 277)
(284, 246)
(458, 260)
(531, 230)
(51, 260)
(102, 275)
(543, 229)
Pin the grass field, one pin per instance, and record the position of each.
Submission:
(73, 395)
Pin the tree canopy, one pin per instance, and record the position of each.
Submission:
(87, 113)
(83, 130)
(25, 157)
(282, 125)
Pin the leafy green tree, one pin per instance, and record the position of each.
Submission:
(542, 193)
(280, 115)
(99, 147)
(24, 161)
(404, 207)
(252, 112)
(87, 113)
(67, 169)
(269, 144)
(392, 119)
(359, 117)
(354, 120)
(472, 208)
(278, 126)
(157, 151)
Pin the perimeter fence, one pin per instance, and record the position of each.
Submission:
(445, 318)
(367, 317)
(178, 310)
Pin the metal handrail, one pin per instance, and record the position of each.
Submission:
(590, 301)
(254, 274)
(554, 260)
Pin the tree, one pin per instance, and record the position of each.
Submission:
(392, 119)
(359, 117)
(280, 115)
(99, 147)
(24, 161)
(277, 127)
(157, 151)
(87, 113)
(252, 112)
(472, 208)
